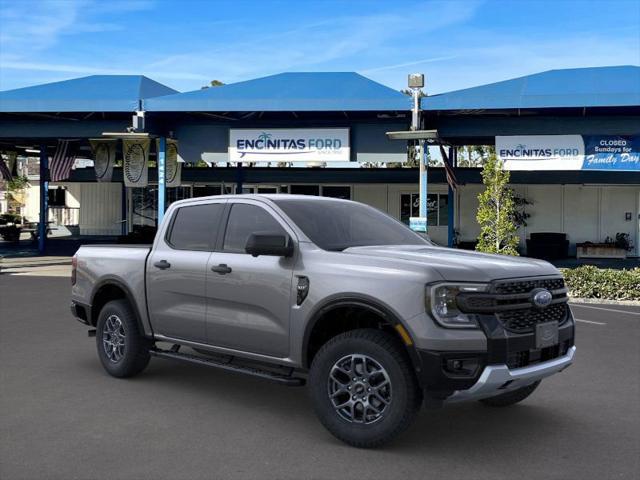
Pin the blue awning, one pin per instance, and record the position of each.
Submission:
(288, 92)
(577, 87)
(96, 93)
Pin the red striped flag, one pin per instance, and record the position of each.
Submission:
(62, 160)
(448, 169)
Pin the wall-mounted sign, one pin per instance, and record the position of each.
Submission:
(541, 152)
(289, 145)
(569, 152)
(610, 152)
(418, 224)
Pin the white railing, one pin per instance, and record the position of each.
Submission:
(64, 215)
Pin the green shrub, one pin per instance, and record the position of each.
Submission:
(588, 281)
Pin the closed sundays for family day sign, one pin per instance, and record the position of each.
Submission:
(289, 145)
(569, 152)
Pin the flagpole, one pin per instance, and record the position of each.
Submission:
(44, 199)
(453, 159)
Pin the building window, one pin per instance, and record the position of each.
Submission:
(177, 193)
(335, 191)
(305, 190)
(206, 191)
(144, 209)
(437, 211)
(57, 197)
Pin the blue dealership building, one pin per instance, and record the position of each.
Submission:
(325, 133)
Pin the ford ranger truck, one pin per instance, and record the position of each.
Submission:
(375, 318)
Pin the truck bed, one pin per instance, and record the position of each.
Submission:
(123, 264)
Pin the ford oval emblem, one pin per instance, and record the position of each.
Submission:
(542, 298)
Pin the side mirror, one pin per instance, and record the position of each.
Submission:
(275, 244)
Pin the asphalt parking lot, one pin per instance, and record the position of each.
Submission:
(63, 417)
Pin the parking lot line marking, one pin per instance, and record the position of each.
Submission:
(589, 321)
(605, 309)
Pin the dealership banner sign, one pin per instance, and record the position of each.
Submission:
(541, 152)
(104, 157)
(289, 145)
(569, 152)
(136, 162)
(611, 152)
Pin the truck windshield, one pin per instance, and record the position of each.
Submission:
(335, 225)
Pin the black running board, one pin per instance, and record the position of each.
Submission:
(230, 367)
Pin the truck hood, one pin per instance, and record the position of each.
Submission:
(460, 265)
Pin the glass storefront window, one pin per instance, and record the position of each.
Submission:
(305, 189)
(336, 191)
(437, 212)
(206, 190)
(177, 193)
(144, 207)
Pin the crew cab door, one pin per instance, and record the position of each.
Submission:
(177, 271)
(249, 298)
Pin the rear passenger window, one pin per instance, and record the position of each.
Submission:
(244, 220)
(196, 228)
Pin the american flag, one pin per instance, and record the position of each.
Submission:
(451, 175)
(5, 172)
(62, 161)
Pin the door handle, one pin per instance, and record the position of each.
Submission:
(162, 264)
(222, 269)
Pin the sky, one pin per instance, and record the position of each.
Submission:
(185, 44)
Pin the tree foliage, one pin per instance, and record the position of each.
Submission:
(474, 155)
(213, 83)
(496, 211)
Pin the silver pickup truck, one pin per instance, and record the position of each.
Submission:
(294, 289)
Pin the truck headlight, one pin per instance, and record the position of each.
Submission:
(441, 303)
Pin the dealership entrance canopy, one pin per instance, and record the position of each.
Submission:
(326, 120)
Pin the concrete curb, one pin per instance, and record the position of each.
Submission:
(32, 264)
(601, 301)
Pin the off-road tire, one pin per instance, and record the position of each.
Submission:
(510, 398)
(135, 355)
(406, 395)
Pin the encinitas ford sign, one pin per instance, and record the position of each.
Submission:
(541, 152)
(289, 145)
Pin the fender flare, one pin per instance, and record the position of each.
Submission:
(112, 281)
(361, 301)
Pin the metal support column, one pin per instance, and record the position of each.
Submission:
(450, 201)
(162, 183)
(423, 178)
(239, 177)
(123, 209)
(44, 200)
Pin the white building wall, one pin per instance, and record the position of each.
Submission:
(583, 212)
(100, 209)
(375, 195)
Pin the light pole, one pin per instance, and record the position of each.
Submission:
(416, 83)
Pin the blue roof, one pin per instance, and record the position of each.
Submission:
(96, 93)
(298, 92)
(577, 87)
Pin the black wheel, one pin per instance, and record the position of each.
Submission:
(122, 349)
(511, 398)
(363, 387)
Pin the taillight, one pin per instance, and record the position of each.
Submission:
(74, 266)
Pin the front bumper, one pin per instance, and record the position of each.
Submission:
(497, 379)
(505, 352)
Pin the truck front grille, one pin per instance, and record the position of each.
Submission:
(511, 301)
(525, 286)
(525, 320)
